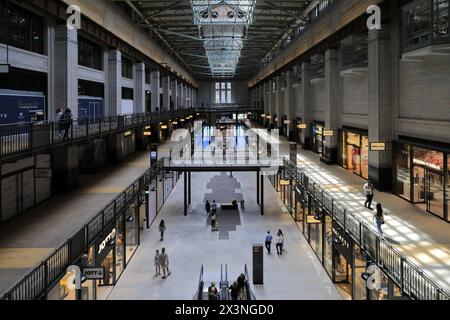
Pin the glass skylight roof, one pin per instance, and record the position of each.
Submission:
(223, 26)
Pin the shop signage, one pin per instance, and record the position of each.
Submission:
(284, 182)
(377, 146)
(310, 219)
(127, 133)
(103, 244)
(302, 126)
(287, 121)
(147, 133)
(328, 133)
(175, 122)
(342, 241)
(164, 126)
(148, 127)
(94, 273)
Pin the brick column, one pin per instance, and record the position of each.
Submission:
(65, 71)
(113, 83)
(381, 114)
(333, 104)
(156, 78)
(306, 110)
(139, 88)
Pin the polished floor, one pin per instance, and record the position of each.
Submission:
(190, 243)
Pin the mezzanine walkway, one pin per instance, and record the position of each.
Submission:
(30, 237)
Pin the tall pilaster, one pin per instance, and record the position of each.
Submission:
(65, 71)
(139, 88)
(307, 112)
(332, 105)
(166, 92)
(175, 94)
(290, 107)
(381, 117)
(155, 84)
(113, 87)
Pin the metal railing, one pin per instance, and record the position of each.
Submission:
(409, 277)
(248, 291)
(37, 283)
(27, 137)
(201, 284)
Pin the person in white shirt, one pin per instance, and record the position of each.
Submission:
(279, 240)
(368, 191)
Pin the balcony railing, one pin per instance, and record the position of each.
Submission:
(426, 23)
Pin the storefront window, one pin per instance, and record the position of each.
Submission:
(380, 289)
(316, 235)
(318, 139)
(355, 153)
(402, 171)
(361, 275)
(447, 188)
(429, 179)
(328, 263)
(132, 232)
(120, 263)
(342, 260)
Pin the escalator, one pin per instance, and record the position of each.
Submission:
(202, 293)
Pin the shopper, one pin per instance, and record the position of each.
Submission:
(379, 219)
(162, 229)
(157, 265)
(207, 207)
(279, 240)
(59, 125)
(214, 207)
(66, 118)
(368, 191)
(268, 241)
(234, 291)
(164, 263)
(213, 293)
(213, 222)
(241, 281)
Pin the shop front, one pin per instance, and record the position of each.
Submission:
(318, 139)
(354, 151)
(422, 176)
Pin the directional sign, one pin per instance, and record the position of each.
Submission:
(94, 273)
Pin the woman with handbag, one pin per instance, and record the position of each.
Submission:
(379, 218)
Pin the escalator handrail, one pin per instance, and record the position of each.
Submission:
(248, 290)
(200, 285)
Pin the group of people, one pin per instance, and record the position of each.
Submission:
(279, 242)
(211, 211)
(237, 289)
(162, 262)
(379, 214)
(64, 120)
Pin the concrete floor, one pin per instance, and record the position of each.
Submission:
(190, 243)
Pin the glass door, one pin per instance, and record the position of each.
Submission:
(435, 192)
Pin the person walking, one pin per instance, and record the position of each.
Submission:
(379, 219)
(66, 118)
(162, 229)
(368, 191)
(214, 207)
(59, 124)
(213, 293)
(207, 207)
(164, 263)
(268, 241)
(213, 222)
(241, 282)
(234, 291)
(157, 265)
(279, 240)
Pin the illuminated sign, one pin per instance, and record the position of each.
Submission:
(301, 126)
(105, 241)
(127, 133)
(164, 126)
(175, 122)
(377, 146)
(310, 219)
(148, 127)
(287, 121)
(284, 182)
(328, 133)
(147, 133)
(263, 116)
